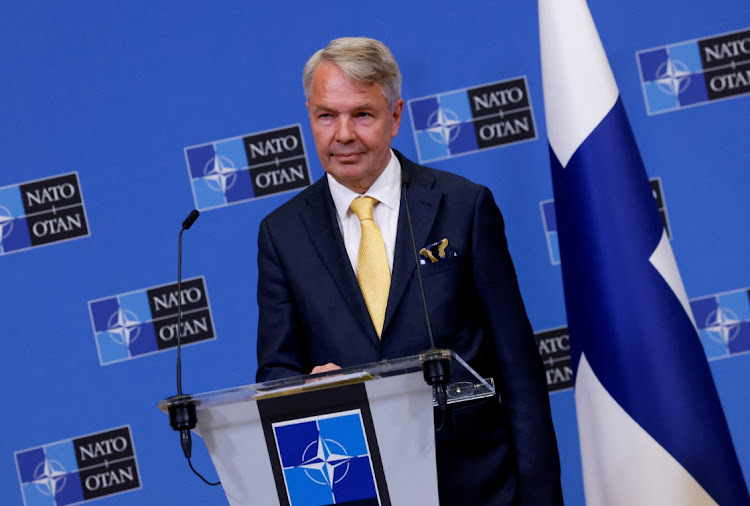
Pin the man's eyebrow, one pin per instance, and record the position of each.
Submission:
(359, 107)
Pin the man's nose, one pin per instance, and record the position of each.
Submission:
(345, 130)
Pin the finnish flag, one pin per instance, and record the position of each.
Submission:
(651, 427)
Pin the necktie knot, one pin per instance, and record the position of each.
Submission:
(362, 207)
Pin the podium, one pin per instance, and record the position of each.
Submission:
(361, 435)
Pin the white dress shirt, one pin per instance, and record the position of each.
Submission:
(387, 191)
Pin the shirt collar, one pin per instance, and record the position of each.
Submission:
(386, 189)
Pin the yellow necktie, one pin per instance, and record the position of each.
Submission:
(373, 273)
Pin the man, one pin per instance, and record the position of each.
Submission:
(314, 316)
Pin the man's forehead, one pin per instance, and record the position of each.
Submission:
(332, 87)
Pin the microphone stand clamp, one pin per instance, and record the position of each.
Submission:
(182, 418)
(437, 373)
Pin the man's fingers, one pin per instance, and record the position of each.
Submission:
(324, 368)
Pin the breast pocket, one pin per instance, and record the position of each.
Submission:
(445, 265)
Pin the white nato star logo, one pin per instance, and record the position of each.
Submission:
(50, 477)
(722, 325)
(323, 463)
(6, 222)
(124, 327)
(672, 77)
(220, 173)
(443, 125)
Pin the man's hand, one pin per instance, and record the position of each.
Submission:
(324, 368)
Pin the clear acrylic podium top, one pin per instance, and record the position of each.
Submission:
(464, 385)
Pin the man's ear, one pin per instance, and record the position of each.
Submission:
(398, 109)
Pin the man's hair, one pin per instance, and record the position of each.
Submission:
(367, 61)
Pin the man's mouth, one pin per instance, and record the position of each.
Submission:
(347, 157)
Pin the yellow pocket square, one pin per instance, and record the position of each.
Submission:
(433, 252)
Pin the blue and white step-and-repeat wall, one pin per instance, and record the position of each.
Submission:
(119, 118)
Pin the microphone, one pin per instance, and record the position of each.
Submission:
(190, 220)
(437, 371)
(185, 226)
(182, 416)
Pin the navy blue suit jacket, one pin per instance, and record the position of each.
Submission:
(312, 312)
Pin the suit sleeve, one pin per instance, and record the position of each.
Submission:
(522, 382)
(281, 348)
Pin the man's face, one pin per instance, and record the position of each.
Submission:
(352, 126)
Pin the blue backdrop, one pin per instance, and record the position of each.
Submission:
(109, 95)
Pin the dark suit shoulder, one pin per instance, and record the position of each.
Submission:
(449, 180)
(436, 178)
(291, 208)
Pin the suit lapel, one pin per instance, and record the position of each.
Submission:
(424, 202)
(320, 220)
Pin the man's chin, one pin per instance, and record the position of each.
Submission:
(345, 170)
(349, 176)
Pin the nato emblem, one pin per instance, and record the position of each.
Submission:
(472, 119)
(323, 448)
(723, 321)
(41, 212)
(143, 322)
(554, 348)
(243, 168)
(326, 460)
(80, 469)
(695, 72)
(549, 220)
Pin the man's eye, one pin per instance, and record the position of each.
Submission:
(363, 114)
